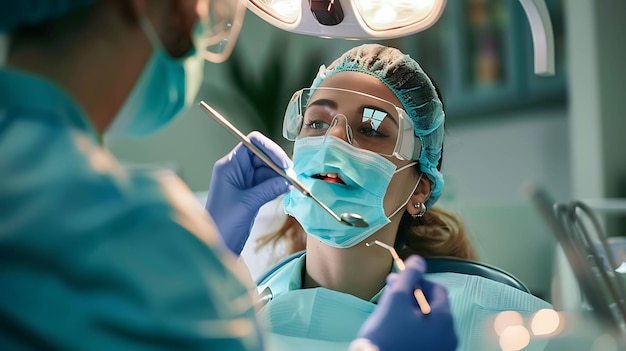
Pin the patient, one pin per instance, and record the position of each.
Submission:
(368, 139)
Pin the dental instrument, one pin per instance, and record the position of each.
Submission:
(418, 293)
(351, 219)
(265, 296)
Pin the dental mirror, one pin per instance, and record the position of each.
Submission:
(350, 219)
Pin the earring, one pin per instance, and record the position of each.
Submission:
(422, 208)
(422, 211)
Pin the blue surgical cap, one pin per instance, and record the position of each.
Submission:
(17, 13)
(407, 80)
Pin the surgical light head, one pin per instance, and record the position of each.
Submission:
(383, 19)
(352, 19)
(417, 94)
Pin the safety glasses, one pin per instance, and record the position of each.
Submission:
(363, 120)
(220, 22)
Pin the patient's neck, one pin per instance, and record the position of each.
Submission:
(360, 270)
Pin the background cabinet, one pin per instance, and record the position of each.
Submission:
(480, 55)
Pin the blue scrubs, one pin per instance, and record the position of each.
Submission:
(323, 319)
(96, 257)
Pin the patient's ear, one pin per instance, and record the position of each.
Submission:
(420, 196)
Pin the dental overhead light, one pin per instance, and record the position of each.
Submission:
(386, 19)
(350, 19)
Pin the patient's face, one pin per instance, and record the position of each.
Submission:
(403, 182)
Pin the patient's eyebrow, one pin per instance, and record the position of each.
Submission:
(324, 102)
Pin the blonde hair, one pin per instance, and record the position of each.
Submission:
(439, 233)
(290, 232)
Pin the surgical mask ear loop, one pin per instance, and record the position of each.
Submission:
(412, 192)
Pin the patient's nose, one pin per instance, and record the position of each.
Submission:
(340, 128)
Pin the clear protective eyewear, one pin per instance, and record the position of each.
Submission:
(219, 25)
(370, 123)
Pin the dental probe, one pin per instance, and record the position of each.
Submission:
(351, 219)
(265, 296)
(418, 293)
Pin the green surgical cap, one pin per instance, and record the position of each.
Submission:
(407, 80)
(17, 13)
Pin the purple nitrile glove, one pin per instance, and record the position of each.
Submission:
(240, 185)
(397, 322)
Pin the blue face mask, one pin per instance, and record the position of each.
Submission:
(164, 88)
(366, 176)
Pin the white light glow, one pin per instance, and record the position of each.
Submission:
(507, 319)
(420, 5)
(385, 14)
(283, 10)
(514, 338)
(545, 322)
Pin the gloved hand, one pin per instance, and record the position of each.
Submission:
(397, 322)
(240, 185)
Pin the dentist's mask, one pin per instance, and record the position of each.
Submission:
(166, 84)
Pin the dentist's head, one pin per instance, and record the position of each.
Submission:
(131, 65)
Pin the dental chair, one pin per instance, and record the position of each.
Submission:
(442, 265)
(463, 266)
